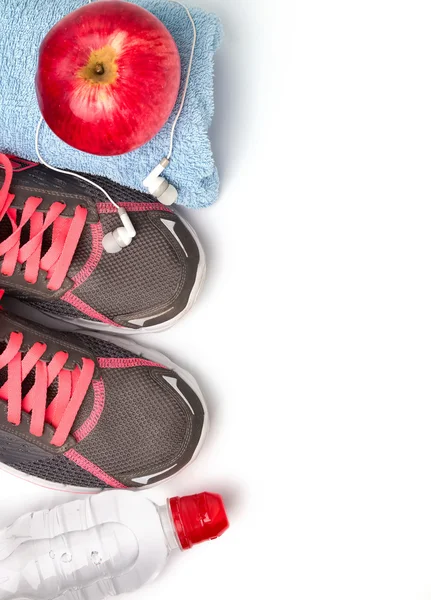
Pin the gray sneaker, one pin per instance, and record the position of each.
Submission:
(80, 414)
(51, 232)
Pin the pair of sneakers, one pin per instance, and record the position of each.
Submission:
(77, 412)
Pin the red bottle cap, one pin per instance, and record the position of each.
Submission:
(198, 518)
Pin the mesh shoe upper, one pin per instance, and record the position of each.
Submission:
(147, 283)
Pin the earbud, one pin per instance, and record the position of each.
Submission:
(158, 186)
(120, 238)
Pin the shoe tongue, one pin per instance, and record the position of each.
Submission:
(6, 230)
(86, 407)
(28, 382)
(82, 253)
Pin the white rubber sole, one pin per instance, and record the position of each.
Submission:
(154, 356)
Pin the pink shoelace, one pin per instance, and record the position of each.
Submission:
(72, 387)
(65, 236)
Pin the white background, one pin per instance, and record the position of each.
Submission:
(312, 339)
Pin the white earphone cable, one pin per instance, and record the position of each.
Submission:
(41, 159)
(187, 81)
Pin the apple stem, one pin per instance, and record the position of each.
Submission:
(99, 68)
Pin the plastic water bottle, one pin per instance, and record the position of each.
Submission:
(101, 546)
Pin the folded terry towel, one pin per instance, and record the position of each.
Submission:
(23, 25)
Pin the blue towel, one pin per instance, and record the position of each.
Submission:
(23, 25)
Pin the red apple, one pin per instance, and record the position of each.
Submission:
(108, 77)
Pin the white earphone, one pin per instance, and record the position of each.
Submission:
(122, 236)
(157, 186)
